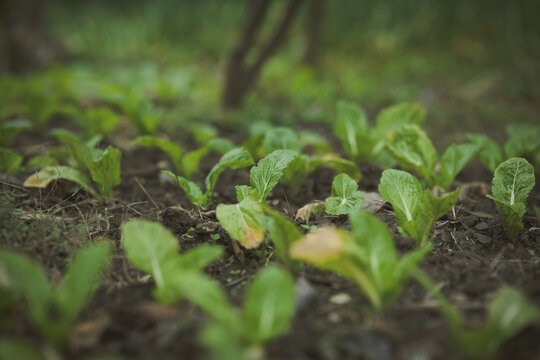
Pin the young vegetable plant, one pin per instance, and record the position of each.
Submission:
(413, 150)
(367, 256)
(10, 161)
(416, 210)
(186, 164)
(242, 220)
(154, 249)
(9, 129)
(268, 139)
(523, 141)
(508, 313)
(512, 182)
(102, 166)
(52, 310)
(234, 159)
(267, 313)
(364, 143)
(345, 197)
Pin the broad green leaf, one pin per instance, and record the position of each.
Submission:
(27, 282)
(192, 190)
(149, 246)
(345, 197)
(223, 344)
(508, 313)
(234, 159)
(10, 161)
(205, 293)
(242, 223)
(413, 150)
(296, 172)
(317, 142)
(352, 129)
(269, 170)
(512, 182)
(171, 149)
(107, 171)
(402, 190)
(100, 120)
(198, 258)
(190, 161)
(453, 161)
(491, 153)
(46, 175)
(244, 192)
(343, 166)
(18, 349)
(397, 115)
(9, 129)
(280, 138)
(268, 312)
(440, 205)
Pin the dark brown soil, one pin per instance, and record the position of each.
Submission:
(470, 261)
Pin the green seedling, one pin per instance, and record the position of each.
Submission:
(523, 141)
(236, 158)
(186, 164)
(52, 310)
(266, 314)
(416, 210)
(12, 348)
(93, 121)
(508, 313)
(512, 182)
(367, 255)
(102, 166)
(152, 248)
(364, 143)
(345, 197)
(413, 150)
(243, 220)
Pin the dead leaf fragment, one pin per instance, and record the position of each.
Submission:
(320, 246)
(304, 213)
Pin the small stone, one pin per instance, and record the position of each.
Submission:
(481, 226)
(334, 317)
(340, 299)
(483, 239)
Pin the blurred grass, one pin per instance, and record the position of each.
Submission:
(472, 64)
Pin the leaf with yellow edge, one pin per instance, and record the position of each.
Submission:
(241, 222)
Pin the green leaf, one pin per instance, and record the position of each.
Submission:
(27, 282)
(508, 313)
(10, 161)
(241, 222)
(296, 172)
(76, 289)
(342, 166)
(268, 313)
(149, 246)
(397, 115)
(491, 153)
(190, 161)
(192, 190)
(171, 149)
(198, 258)
(46, 175)
(107, 171)
(345, 197)
(269, 170)
(283, 233)
(234, 159)
(352, 129)
(100, 120)
(412, 148)
(402, 190)
(244, 192)
(205, 293)
(453, 160)
(512, 182)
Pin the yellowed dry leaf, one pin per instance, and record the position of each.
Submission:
(320, 246)
(305, 212)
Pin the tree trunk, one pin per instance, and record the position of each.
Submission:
(313, 31)
(240, 77)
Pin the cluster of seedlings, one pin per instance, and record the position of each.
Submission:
(366, 253)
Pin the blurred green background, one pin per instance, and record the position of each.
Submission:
(474, 65)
